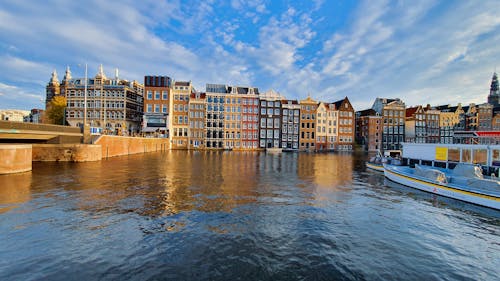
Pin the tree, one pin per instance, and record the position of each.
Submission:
(56, 110)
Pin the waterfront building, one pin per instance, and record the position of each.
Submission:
(346, 124)
(326, 126)
(156, 105)
(250, 118)
(290, 125)
(270, 119)
(494, 96)
(393, 114)
(179, 112)
(321, 132)
(197, 120)
(215, 97)
(115, 105)
(307, 129)
(369, 129)
(233, 120)
(484, 117)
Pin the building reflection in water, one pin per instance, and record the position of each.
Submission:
(168, 183)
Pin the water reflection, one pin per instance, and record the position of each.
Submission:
(14, 190)
(235, 215)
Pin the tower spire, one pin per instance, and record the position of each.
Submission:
(67, 75)
(494, 97)
(54, 79)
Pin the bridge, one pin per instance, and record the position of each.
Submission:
(20, 132)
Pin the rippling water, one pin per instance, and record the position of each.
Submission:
(236, 216)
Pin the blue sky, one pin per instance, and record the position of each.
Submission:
(421, 51)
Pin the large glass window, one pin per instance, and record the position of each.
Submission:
(480, 156)
(466, 155)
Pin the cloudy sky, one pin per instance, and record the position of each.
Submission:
(421, 51)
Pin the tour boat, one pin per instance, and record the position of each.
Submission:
(465, 182)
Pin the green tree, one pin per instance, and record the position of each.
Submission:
(56, 110)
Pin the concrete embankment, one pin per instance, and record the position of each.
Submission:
(15, 158)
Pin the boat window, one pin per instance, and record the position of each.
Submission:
(466, 156)
(454, 154)
(480, 156)
(495, 157)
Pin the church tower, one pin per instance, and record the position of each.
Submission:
(494, 97)
(53, 88)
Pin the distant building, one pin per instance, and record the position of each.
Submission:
(494, 96)
(290, 125)
(15, 115)
(346, 124)
(179, 112)
(451, 120)
(495, 122)
(156, 104)
(197, 111)
(215, 97)
(307, 129)
(369, 129)
(484, 117)
(471, 120)
(35, 116)
(270, 120)
(432, 124)
(113, 104)
(242, 131)
(393, 113)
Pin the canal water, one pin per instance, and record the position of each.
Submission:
(236, 216)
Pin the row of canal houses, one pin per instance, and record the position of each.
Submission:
(242, 118)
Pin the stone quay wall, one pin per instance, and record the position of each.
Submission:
(117, 145)
(67, 152)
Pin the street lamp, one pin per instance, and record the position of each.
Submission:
(85, 100)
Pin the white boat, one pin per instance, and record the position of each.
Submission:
(465, 182)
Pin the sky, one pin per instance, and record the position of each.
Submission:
(424, 52)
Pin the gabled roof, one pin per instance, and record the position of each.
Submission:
(410, 111)
(339, 103)
(182, 83)
(366, 112)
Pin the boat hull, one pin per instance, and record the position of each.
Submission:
(448, 190)
(375, 167)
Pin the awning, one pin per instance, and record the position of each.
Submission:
(489, 134)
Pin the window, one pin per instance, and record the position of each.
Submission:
(157, 95)
(157, 108)
(164, 94)
(150, 108)
(150, 95)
